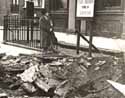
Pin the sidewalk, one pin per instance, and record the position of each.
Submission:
(12, 50)
(99, 42)
(15, 51)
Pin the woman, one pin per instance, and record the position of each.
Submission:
(46, 30)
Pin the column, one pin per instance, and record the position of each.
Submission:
(4, 7)
(123, 19)
(21, 5)
(71, 17)
(123, 36)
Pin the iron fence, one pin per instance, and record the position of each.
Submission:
(22, 31)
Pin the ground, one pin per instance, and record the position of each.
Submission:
(100, 68)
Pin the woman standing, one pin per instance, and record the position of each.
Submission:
(46, 28)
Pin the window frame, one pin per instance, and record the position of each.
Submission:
(118, 7)
(58, 9)
(36, 3)
(15, 2)
(14, 6)
(100, 7)
(113, 7)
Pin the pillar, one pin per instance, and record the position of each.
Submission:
(21, 5)
(123, 36)
(123, 19)
(71, 17)
(4, 6)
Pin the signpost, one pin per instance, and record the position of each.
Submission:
(85, 10)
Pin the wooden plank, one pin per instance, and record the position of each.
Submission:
(88, 42)
(78, 43)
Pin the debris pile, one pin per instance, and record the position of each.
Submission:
(53, 76)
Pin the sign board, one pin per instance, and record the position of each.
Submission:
(85, 8)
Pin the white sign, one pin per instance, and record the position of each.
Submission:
(85, 8)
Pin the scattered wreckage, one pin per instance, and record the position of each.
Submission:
(56, 75)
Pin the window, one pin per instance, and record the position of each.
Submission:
(37, 3)
(112, 3)
(15, 6)
(15, 2)
(107, 5)
(58, 4)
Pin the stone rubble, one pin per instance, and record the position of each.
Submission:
(52, 76)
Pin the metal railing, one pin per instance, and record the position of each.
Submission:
(22, 31)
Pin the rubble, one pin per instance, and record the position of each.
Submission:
(28, 87)
(3, 95)
(29, 75)
(42, 85)
(2, 55)
(57, 75)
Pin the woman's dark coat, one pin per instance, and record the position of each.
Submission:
(45, 26)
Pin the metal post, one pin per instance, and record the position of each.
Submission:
(5, 28)
(78, 42)
(78, 37)
(90, 44)
(27, 30)
(90, 39)
(32, 29)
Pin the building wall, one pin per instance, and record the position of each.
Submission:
(4, 9)
(59, 13)
(108, 20)
(108, 24)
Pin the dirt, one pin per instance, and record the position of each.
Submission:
(92, 80)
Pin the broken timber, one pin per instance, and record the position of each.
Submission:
(78, 41)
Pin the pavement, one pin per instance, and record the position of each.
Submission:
(12, 50)
(99, 42)
(15, 51)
